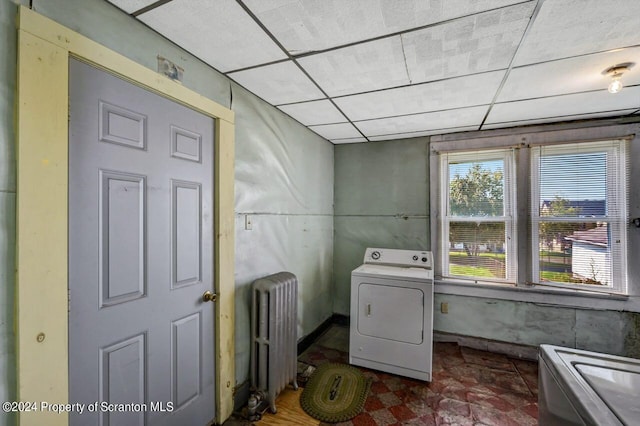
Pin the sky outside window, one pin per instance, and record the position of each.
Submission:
(463, 168)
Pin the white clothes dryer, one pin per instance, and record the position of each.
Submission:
(392, 312)
(587, 388)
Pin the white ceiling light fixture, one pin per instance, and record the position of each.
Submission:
(615, 72)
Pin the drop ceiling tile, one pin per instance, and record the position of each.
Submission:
(314, 112)
(336, 131)
(420, 122)
(219, 32)
(131, 6)
(281, 83)
(440, 95)
(348, 140)
(305, 26)
(575, 27)
(363, 67)
(422, 134)
(555, 119)
(579, 74)
(561, 106)
(482, 42)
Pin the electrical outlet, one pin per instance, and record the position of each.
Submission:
(444, 307)
(248, 222)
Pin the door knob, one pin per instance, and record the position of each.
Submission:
(209, 297)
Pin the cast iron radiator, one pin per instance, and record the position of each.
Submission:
(274, 308)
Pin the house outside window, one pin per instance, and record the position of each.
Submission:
(579, 215)
(575, 221)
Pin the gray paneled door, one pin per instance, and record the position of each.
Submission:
(140, 255)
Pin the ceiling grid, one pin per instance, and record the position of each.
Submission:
(510, 66)
(368, 70)
(347, 130)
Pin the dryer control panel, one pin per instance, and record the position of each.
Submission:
(396, 257)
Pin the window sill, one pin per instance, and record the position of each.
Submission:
(540, 295)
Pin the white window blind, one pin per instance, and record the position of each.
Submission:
(478, 238)
(579, 215)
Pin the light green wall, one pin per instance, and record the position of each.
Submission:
(284, 182)
(533, 324)
(284, 176)
(382, 199)
(107, 25)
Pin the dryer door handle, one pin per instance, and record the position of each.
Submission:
(368, 309)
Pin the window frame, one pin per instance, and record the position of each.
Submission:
(509, 217)
(617, 165)
(521, 137)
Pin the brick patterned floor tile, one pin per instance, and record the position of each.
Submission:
(531, 410)
(447, 353)
(364, 419)
(518, 400)
(457, 394)
(427, 420)
(378, 387)
(490, 401)
(448, 384)
(389, 399)
(508, 380)
(525, 366)
(452, 420)
(492, 416)
(383, 417)
(529, 372)
(422, 392)
(420, 407)
(405, 395)
(402, 413)
(394, 383)
(373, 403)
(446, 348)
(459, 408)
(487, 390)
(468, 387)
(487, 359)
(370, 374)
(524, 419)
(531, 379)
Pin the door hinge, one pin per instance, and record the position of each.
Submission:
(68, 300)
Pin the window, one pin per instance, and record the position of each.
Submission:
(578, 215)
(478, 226)
(577, 224)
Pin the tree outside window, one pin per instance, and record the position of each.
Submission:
(476, 226)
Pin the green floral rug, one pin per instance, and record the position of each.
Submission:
(335, 393)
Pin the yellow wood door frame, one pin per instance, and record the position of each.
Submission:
(44, 48)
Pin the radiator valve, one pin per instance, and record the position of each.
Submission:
(254, 409)
(251, 409)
